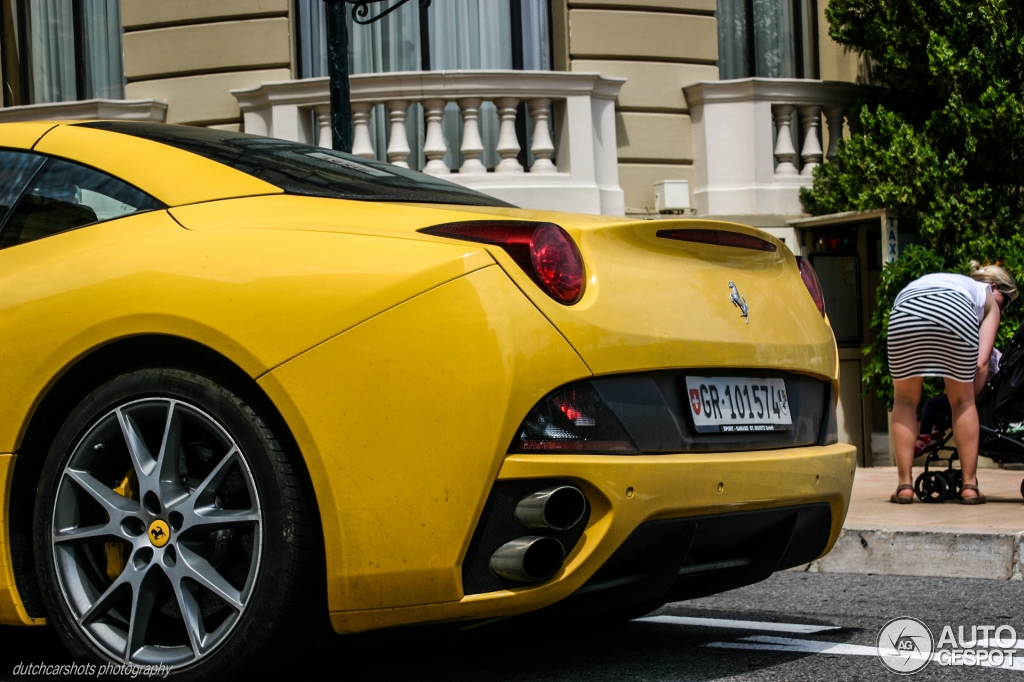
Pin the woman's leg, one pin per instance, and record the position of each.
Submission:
(965, 428)
(904, 426)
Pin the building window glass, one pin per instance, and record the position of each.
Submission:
(451, 34)
(767, 39)
(61, 50)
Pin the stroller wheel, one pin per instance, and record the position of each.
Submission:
(1022, 488)
(955, 478)
(931, 487)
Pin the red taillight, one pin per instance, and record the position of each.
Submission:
(810, 279)
(718, 238)
(543, 250)
(573, 419)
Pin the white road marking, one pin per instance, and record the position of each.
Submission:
(795, 628)
(810, 646)
(800, 646)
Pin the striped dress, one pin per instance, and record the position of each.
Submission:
(933, 328)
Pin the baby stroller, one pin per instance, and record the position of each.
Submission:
(1001, 414)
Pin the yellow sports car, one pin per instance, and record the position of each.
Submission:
(249, 382)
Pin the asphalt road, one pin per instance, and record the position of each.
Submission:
(856, 605)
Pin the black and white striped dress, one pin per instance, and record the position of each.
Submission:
(933, 332)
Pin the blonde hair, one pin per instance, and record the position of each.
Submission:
(995, 274)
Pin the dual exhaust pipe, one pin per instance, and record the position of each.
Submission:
(536, 558)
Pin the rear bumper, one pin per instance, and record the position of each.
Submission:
(627, 492)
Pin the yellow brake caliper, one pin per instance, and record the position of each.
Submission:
(115, 550)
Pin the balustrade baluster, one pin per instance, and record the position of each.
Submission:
(434, 147)
(810, 151)
(398, 146)
(323, 126)
(472, 146)
(508, 143)
(785, 153)
(834, 119)
(361, 144)
(543, 148)
(853, 121)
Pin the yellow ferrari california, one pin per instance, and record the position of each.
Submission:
(250, 383)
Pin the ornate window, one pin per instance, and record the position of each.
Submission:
(767, 38)
(60, 50)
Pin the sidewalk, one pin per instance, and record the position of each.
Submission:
(948, 539)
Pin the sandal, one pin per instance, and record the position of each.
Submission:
(978, 498)
(903, 499)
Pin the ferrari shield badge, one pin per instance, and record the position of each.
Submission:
(740, 301)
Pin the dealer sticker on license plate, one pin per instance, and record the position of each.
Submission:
(738, 404)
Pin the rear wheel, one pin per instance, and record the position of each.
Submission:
(170, 528)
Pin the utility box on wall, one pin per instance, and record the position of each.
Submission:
(672, 196)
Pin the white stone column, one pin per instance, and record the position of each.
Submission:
(543, 148)
(853, 121)
(434, 147)
(472, 146)
(834, 120)
(785, 153)
(810, 151)
(398, 146)
(508, 143)
(361, 144)
(323, 126)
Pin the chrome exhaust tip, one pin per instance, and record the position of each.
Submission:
(558, 508)
(530, 559)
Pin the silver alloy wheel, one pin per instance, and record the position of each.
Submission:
(157, 555)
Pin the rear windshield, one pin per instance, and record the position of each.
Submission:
(304, 169)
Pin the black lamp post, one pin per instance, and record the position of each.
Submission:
(337, 61)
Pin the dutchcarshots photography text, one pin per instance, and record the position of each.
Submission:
(66, 670)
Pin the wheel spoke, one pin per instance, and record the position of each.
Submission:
(87, 533)
(144, 594)
(192, 614)
(204, 493)
(199, 569)
(109, 596)
(142, 460)
(218, 519)
(115, 505)
(171, 490)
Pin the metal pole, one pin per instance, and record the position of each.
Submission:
(337, 62)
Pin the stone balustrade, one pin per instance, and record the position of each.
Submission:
(88, 109)
(758, 140)
(571, 117)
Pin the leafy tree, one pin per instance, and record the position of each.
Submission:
(942, 147)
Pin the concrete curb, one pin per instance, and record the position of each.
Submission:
(952, 553)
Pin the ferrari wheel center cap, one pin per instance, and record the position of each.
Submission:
(159, 533)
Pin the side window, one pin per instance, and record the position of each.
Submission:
(16, 169)
(64, 196)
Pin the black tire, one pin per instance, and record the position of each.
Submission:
(955, 477)
(282, 597)
(931, 486)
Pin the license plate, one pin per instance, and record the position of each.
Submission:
(738, 404)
